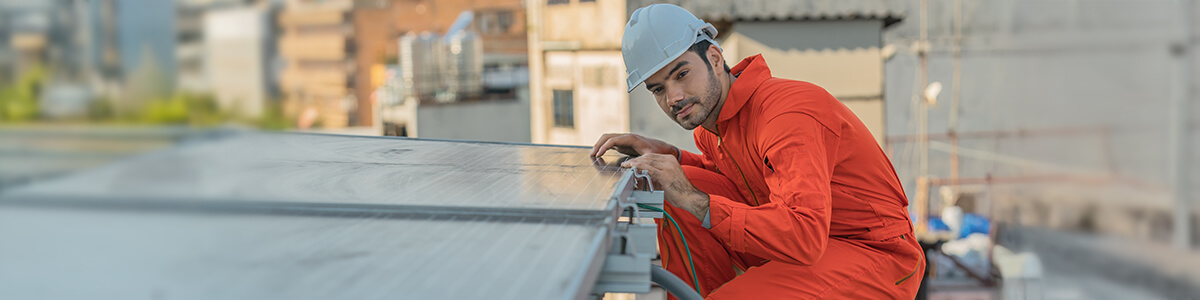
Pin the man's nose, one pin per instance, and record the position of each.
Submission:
(674, 95)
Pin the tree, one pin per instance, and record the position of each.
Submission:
(19, 101)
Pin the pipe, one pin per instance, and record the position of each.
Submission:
(673, 284)
(999, 134)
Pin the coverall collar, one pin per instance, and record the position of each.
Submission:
(751, 73)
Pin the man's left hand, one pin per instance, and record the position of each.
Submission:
(664, 169)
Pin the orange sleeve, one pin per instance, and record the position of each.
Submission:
(794, 226)
(701, 160)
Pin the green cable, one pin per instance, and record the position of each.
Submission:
(691, 264)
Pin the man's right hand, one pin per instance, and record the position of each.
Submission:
(632, 144)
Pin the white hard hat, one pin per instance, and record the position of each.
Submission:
(658, 34)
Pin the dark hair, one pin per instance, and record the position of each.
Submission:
(701, 49)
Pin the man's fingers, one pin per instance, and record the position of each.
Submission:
(608, 144)
(659, 164)
(659, 160)
(640, 162)
(610, 141)
(650, 159)
(596, 150)
(631, 162)
(643, 163)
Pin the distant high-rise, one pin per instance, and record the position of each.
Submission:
(123, 30)
(106, 46)
(191, 36)
(34, 33)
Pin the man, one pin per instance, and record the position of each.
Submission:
(790, 188)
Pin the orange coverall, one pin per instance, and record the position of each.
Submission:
(801, 197)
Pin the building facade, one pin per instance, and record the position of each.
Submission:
(577, 89)
(239, 53)
(316, 46)
(403, 47)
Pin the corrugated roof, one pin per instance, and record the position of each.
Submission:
(890, 11)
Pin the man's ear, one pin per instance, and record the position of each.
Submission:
(716, 58)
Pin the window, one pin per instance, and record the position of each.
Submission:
(495, 22)
(553, 2)
(504, 20)
(564, 108)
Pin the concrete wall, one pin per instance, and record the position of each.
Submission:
(1028, 66)
(601, 104)
(842, 56)
(593, 25)
(493, 120)
(1079, 94)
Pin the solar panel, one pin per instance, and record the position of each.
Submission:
(303, 168)
(300, 216)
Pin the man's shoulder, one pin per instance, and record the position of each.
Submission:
(780, 91)
(779, 96)
(776, 83)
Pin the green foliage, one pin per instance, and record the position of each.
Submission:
(101, 109)
(19, 101)
(183, 109)
(173, 110)
(202, 110)
(273, 117)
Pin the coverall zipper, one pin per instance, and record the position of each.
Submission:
(721, 145)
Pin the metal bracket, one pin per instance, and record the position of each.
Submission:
(643, 174)
(627, 266)
(633, 244)
(650, 198)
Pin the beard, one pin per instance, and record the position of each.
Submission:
(704, 106)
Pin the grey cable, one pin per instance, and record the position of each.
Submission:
(673, 284)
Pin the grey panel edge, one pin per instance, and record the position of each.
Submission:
(418, 139)
(333, 210)
(589, 272)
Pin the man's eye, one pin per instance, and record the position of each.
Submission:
(681, 74)
(656, 90)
